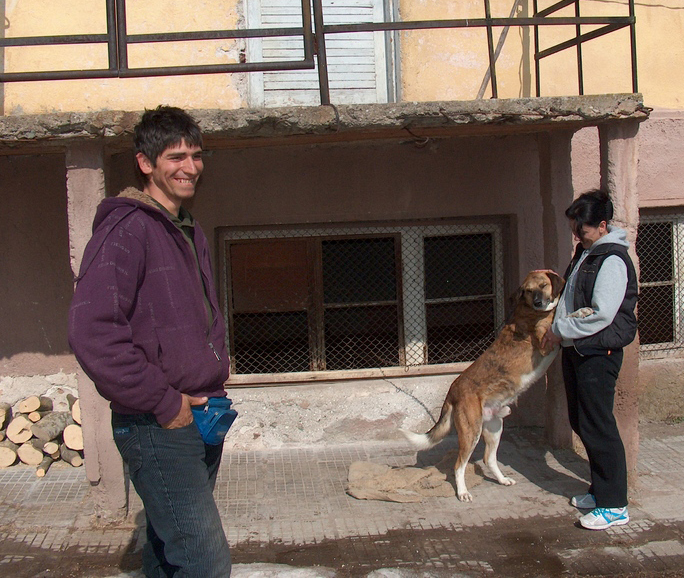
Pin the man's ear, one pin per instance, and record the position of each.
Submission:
(144, 164)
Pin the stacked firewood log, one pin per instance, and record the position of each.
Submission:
(34, 434)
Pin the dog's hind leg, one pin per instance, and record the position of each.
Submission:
(491, 432)
(468, 428)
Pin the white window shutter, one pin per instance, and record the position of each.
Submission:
(356, 61)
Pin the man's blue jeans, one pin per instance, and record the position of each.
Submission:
(174, 473)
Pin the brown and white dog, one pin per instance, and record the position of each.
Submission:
(479, 398)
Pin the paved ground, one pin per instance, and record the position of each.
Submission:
(286, 514)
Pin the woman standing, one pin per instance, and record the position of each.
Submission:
(601, 277)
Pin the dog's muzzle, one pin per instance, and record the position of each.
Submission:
(541, 303)
(539, 300)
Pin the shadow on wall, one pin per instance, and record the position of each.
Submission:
(5, 26)
(37, 282)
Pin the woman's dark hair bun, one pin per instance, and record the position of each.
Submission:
(590, 208)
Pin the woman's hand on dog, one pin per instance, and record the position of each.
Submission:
(550, 340)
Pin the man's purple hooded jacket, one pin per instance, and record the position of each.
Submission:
(138, 322)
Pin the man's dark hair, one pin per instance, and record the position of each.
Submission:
(590, 209)
(164, 127)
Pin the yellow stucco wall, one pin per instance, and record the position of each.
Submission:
(435, 64)
(660, 40)
(57, 17)
(452, 64)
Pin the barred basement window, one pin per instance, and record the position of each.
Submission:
(331, 299)
(659, 248)
(459, 296)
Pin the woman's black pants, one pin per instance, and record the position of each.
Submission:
(590, 390)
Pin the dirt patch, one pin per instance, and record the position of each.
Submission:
(514, 548)
(19, 560)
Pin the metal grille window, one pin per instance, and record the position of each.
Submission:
(357, 298)
(459, 296)
(360, 306)
(659, 248)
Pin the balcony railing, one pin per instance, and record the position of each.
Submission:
(313, 34)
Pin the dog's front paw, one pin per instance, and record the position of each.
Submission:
(504, 411)
(465, 497)
(582, 313)
(507, 482)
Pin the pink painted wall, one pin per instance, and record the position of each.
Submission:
(586, 167)
(661, 160)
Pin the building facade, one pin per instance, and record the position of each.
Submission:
(365, 249)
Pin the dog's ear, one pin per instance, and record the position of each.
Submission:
(519, 294)
(557, 282)
(515, 298)
(512, 302)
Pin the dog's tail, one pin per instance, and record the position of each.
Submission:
(440, 430)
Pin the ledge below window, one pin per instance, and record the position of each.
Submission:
(260, 379)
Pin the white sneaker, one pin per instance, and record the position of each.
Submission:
(602, 518)
(584, 502)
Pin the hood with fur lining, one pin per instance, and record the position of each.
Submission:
(130, 197)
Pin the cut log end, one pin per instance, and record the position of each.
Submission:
(8, 453)
(35, 403)
(29, 454)
(51, 447)
(5, 414)
(70, 456)
(73, 436)
(36, 416)
(19, 429)
(45, 464)
(76, 411)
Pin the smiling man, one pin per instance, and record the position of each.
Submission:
(174, 175)
(146, 327)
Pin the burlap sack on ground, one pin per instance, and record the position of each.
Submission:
(369, 481)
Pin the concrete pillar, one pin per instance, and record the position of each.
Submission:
(619, 158)
(104, 468)
(555, 169)
(415, 324)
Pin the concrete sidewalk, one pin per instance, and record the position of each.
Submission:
(289, 508)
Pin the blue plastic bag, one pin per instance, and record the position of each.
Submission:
(214, 419)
